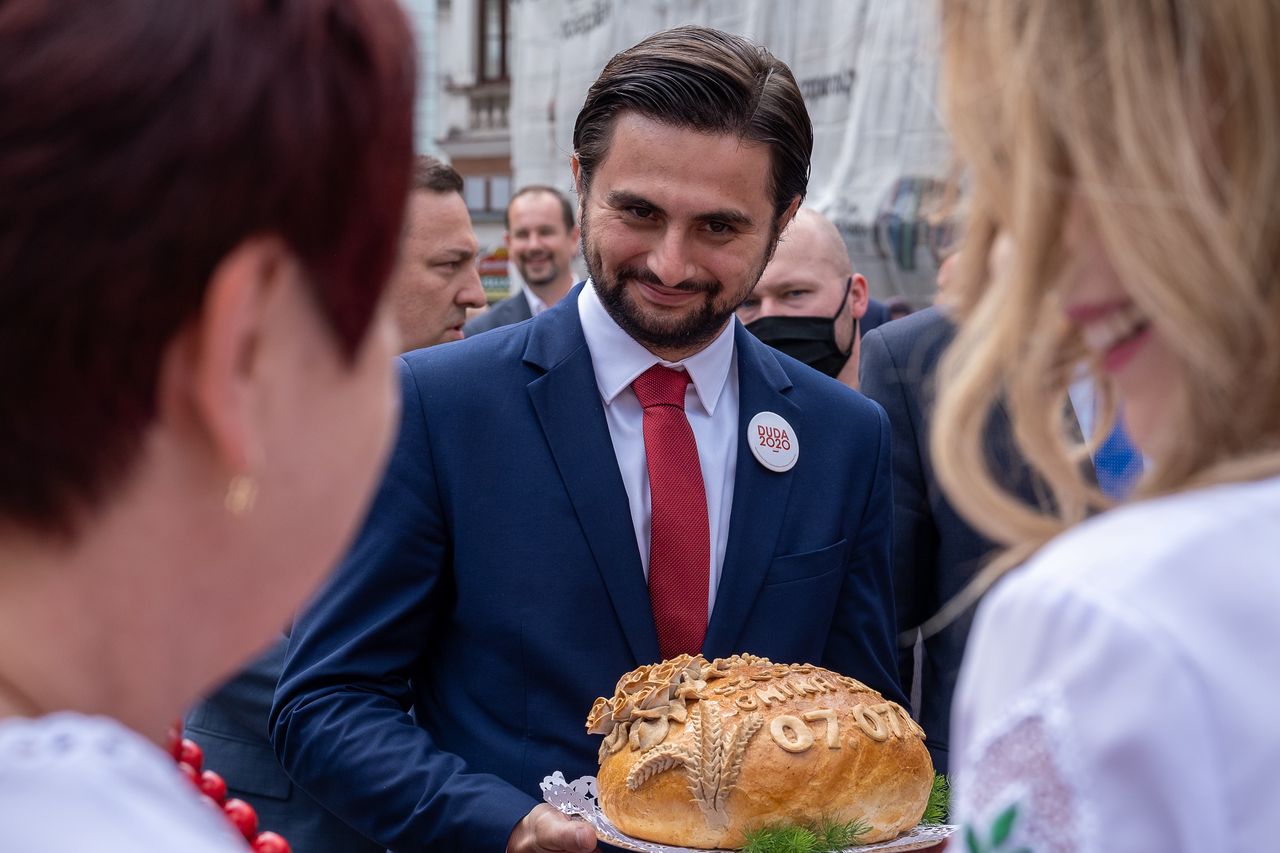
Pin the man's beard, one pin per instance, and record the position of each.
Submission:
(690, 331)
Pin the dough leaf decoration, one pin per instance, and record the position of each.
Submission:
(660, 759)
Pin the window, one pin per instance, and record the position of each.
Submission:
(486, 193)
(499, 192)
(474, 193)
(494, 40)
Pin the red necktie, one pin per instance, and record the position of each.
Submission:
(679, 538)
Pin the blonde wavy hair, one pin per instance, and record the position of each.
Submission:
(1159, 121)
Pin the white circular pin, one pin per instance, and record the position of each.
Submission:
(773, 442)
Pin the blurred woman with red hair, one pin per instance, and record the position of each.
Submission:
(199, 205)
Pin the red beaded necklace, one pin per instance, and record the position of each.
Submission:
(190, 758)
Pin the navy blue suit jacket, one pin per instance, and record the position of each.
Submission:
(496, 589)
(936, 552)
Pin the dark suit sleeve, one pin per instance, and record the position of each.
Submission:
(862, 636)
(341, 724)
(915, 536)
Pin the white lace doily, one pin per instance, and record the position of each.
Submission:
(578, 799)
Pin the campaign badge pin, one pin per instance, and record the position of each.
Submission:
(773, 442)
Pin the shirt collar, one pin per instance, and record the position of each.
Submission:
(536, 305)
(618, 358)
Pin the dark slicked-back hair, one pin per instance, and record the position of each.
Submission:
(709, 81)
(140, 142)
(434, 176)
(566, 206)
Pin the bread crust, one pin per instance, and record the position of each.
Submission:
(696, 753)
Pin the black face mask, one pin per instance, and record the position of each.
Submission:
(811, 340)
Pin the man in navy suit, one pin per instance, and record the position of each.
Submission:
(678, 486)
(936, 552)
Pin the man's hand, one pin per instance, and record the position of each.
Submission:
(545, 830)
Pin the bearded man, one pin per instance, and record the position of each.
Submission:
(681, 487)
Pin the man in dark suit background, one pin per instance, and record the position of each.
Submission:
(542, 238)
(936, 552)
(435, 280)
(449, 664)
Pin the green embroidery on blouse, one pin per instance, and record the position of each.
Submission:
(998, 837)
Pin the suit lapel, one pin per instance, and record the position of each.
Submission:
(759, 495)
(571, 415)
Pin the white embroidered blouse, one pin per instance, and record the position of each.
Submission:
(1122, 690)
(74, 783)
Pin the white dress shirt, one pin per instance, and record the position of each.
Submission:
(710, 403)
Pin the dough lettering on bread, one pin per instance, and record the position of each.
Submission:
(698, 752)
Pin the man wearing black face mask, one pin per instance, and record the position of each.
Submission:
(809, 301)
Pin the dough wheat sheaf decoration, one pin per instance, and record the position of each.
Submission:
(698, 753)
(712, 764)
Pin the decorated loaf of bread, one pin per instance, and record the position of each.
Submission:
(696, 753)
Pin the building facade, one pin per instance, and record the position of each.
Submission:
(471, 129)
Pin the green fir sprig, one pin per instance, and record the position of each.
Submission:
(830, 836)
(823, 837)
(939, 801)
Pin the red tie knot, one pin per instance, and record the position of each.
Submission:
(661, 386)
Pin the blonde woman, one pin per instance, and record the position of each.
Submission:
(199, 203)
(1119, 691)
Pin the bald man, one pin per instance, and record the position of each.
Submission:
(809, 301)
